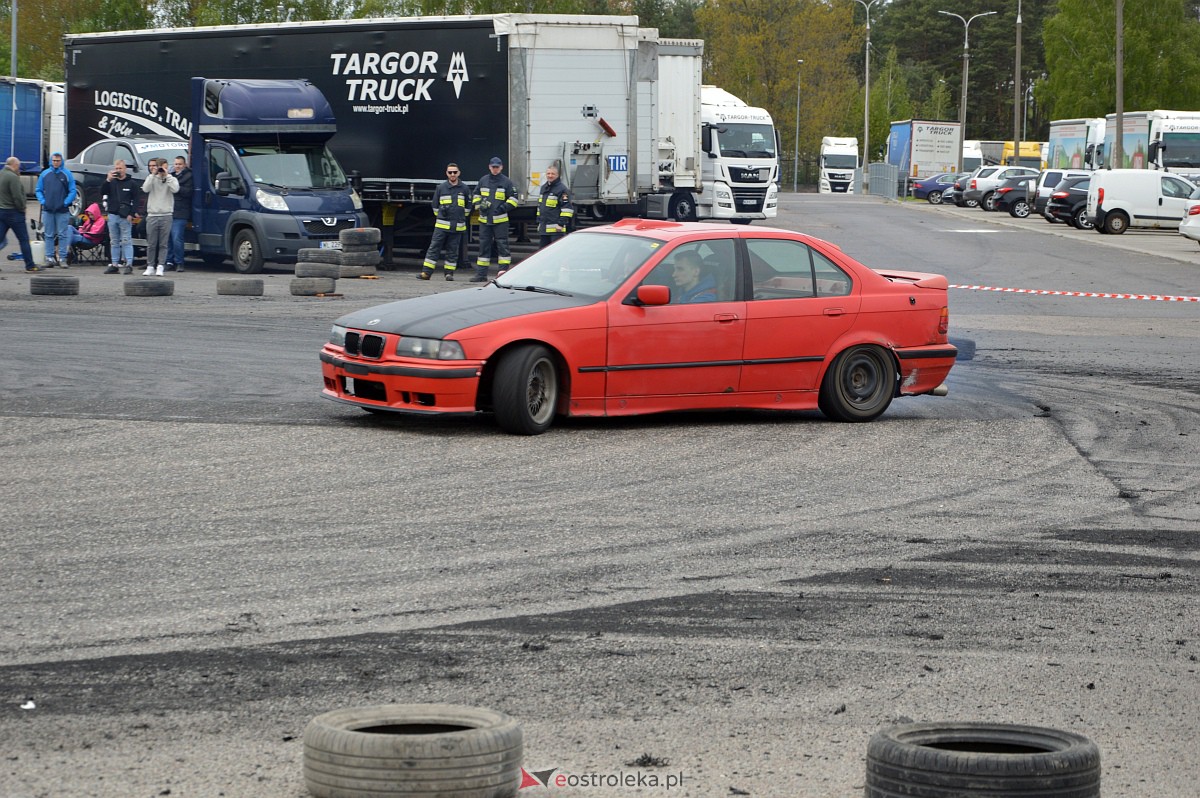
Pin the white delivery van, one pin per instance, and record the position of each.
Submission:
(1122, 198)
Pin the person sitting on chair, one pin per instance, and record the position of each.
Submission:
(90, 230)
(693, 285)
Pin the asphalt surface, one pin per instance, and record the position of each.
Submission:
(201, 554)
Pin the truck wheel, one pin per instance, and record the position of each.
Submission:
(247, 254)
(1116, 223)
(924, 760)
(682, 207)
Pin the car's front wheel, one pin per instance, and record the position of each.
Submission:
(247, 254)
(859, 385)
(525, 391)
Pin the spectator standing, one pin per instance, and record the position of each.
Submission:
(182, 214)
(56, 192)
(121, 196)
(12, 210)
(554, 208)
(160, 188)
(494, 196)
(450, 201)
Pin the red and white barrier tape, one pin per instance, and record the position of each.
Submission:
(1044, 292)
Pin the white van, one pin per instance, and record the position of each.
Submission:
(1122, 198)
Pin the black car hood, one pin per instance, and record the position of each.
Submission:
(439, 315)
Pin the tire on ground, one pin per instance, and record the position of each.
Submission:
(311, 286)
(149, 286)
(935, 760)
(370, 258)
(317, 255)
(240, 286)
(360, 248)
(360, 235)
(413, 750)
(357, 271)
(54, 286)
(310, 269)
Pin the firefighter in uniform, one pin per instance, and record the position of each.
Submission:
(494, 196)
(450, 202)
(554, 208)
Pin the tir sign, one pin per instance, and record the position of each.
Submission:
(618, 163)
(300, 113)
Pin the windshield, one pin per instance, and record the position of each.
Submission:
(583, 264)
(1181, 149)
(163, 149)
(744, 140)
(841, 161)
(293, 165)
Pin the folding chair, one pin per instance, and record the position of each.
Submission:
(81, 252)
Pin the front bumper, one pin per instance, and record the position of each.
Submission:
(401, 386)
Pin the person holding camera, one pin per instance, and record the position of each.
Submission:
(160, 188)
(121, 199)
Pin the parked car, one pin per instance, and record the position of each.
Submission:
(1015, 195)
(1143, 198)
(1047, 182)
(645, 317)
(1068, 203)
(983, 184)
(954, 194)
(932, 188)
(91, 166)
(1190, 226)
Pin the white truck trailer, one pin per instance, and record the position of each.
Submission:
(1075, 143)
(1168, 140)
(838, 162)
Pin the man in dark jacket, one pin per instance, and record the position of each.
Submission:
(554, 208)
(12, 209)
(450, 202)
(494, 196)
(56, 192)
(121, 195)
(182, 214)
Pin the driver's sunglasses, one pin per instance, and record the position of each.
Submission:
(451, 171)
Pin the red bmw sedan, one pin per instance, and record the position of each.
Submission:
(650, 316)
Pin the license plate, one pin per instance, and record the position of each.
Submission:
(349, 382)
(330, 245)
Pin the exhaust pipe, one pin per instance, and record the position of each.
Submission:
(941, 390)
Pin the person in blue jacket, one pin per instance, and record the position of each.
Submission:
(56, 192)
(693, 284)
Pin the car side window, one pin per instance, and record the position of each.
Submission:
(789, 270)
(219, 160)
(1173, 187)
(698, 271)
(102, 154)
(126, 155)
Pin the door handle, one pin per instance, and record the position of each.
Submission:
(725, 317)
(833, 311)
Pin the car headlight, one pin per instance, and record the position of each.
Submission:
(357, 200)
(432, 348)
(337, 336)
(272, 202)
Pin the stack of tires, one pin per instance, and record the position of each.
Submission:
(317, 270)
(360, 252)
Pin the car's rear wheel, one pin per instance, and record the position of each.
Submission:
(1019, 209)
(525, 391)
(1081, 220)
(988, 201)
(934, 197)
(859, 385)
(1116, 223)
(971, 203)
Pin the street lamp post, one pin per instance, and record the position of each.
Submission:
(1017, 93)
(962, 103)
(796, 152)
(866, 150)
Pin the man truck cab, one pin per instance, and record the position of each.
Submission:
(839, 160)
(265, 183)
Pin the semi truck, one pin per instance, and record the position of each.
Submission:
(1167, 140)
(923, 148)
(412, 94)
(32, 124)
(838, 162)
(1075, 143)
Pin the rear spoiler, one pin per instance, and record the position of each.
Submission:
(919, 279)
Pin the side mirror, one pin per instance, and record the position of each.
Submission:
(706, 140)
(653, 295)
(1154, 150)
(228, 184)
